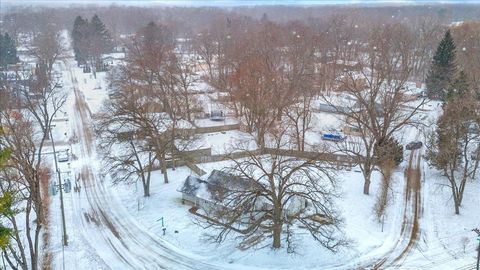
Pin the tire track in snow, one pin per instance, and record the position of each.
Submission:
(135, 246)
(410, 231)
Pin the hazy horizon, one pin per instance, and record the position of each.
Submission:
(231, 3)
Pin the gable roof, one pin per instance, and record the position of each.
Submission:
(191, 185)
(216, 186)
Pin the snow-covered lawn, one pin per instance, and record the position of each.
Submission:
(451, 241)
(226, 142)
(165, 202)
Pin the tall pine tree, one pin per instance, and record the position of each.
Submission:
(80, 35)
(8, 50)
(90, 39)
(443, 69)
(100, 34)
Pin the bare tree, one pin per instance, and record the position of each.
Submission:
(260, 85)
(255, 84)
(299, 118)
(206, 47)
(22, 177)
(41, 98)
(47, 48)
(428, 32)
(271, 194)
(454, 146)
(146, 87)
(154, 97)
(127, 157)
(390, 155)
(466, 36)
(184, 80)
(374, 100)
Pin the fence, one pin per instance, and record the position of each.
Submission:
(191, 158)
(201, 130)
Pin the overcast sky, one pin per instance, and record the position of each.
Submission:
(232, 2)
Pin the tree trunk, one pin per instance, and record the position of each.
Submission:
(366, 186)
(146, 190)
(277, 228)
(164, 169)
(147, 181)
(367, 174)
(456, 200)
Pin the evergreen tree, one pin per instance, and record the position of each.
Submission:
(443, 68)
(80, 35)
(8, 50)
(264, 18)
(100, 35)
(90, 39)
(390, 149)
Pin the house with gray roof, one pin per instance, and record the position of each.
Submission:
(214, 189)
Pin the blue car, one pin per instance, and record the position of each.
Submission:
(333, 137)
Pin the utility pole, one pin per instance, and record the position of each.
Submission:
(65, 236)
(478, 251)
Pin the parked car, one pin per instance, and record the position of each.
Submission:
(62, 156)
(333, 137)
(414, 145)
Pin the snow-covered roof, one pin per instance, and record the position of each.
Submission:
(192, 185)
(215, 187)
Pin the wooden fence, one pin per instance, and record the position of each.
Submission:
(191, 158)
(221, 128)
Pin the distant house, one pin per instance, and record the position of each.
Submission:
(322, 107)
(217, 115)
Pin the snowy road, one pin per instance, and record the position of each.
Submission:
(105, 223)
(410, 231)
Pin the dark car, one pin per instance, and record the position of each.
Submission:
(414, 145)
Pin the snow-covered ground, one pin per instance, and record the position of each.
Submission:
(210, 123)
(138, 220)
(165, 202)
(225, 142)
